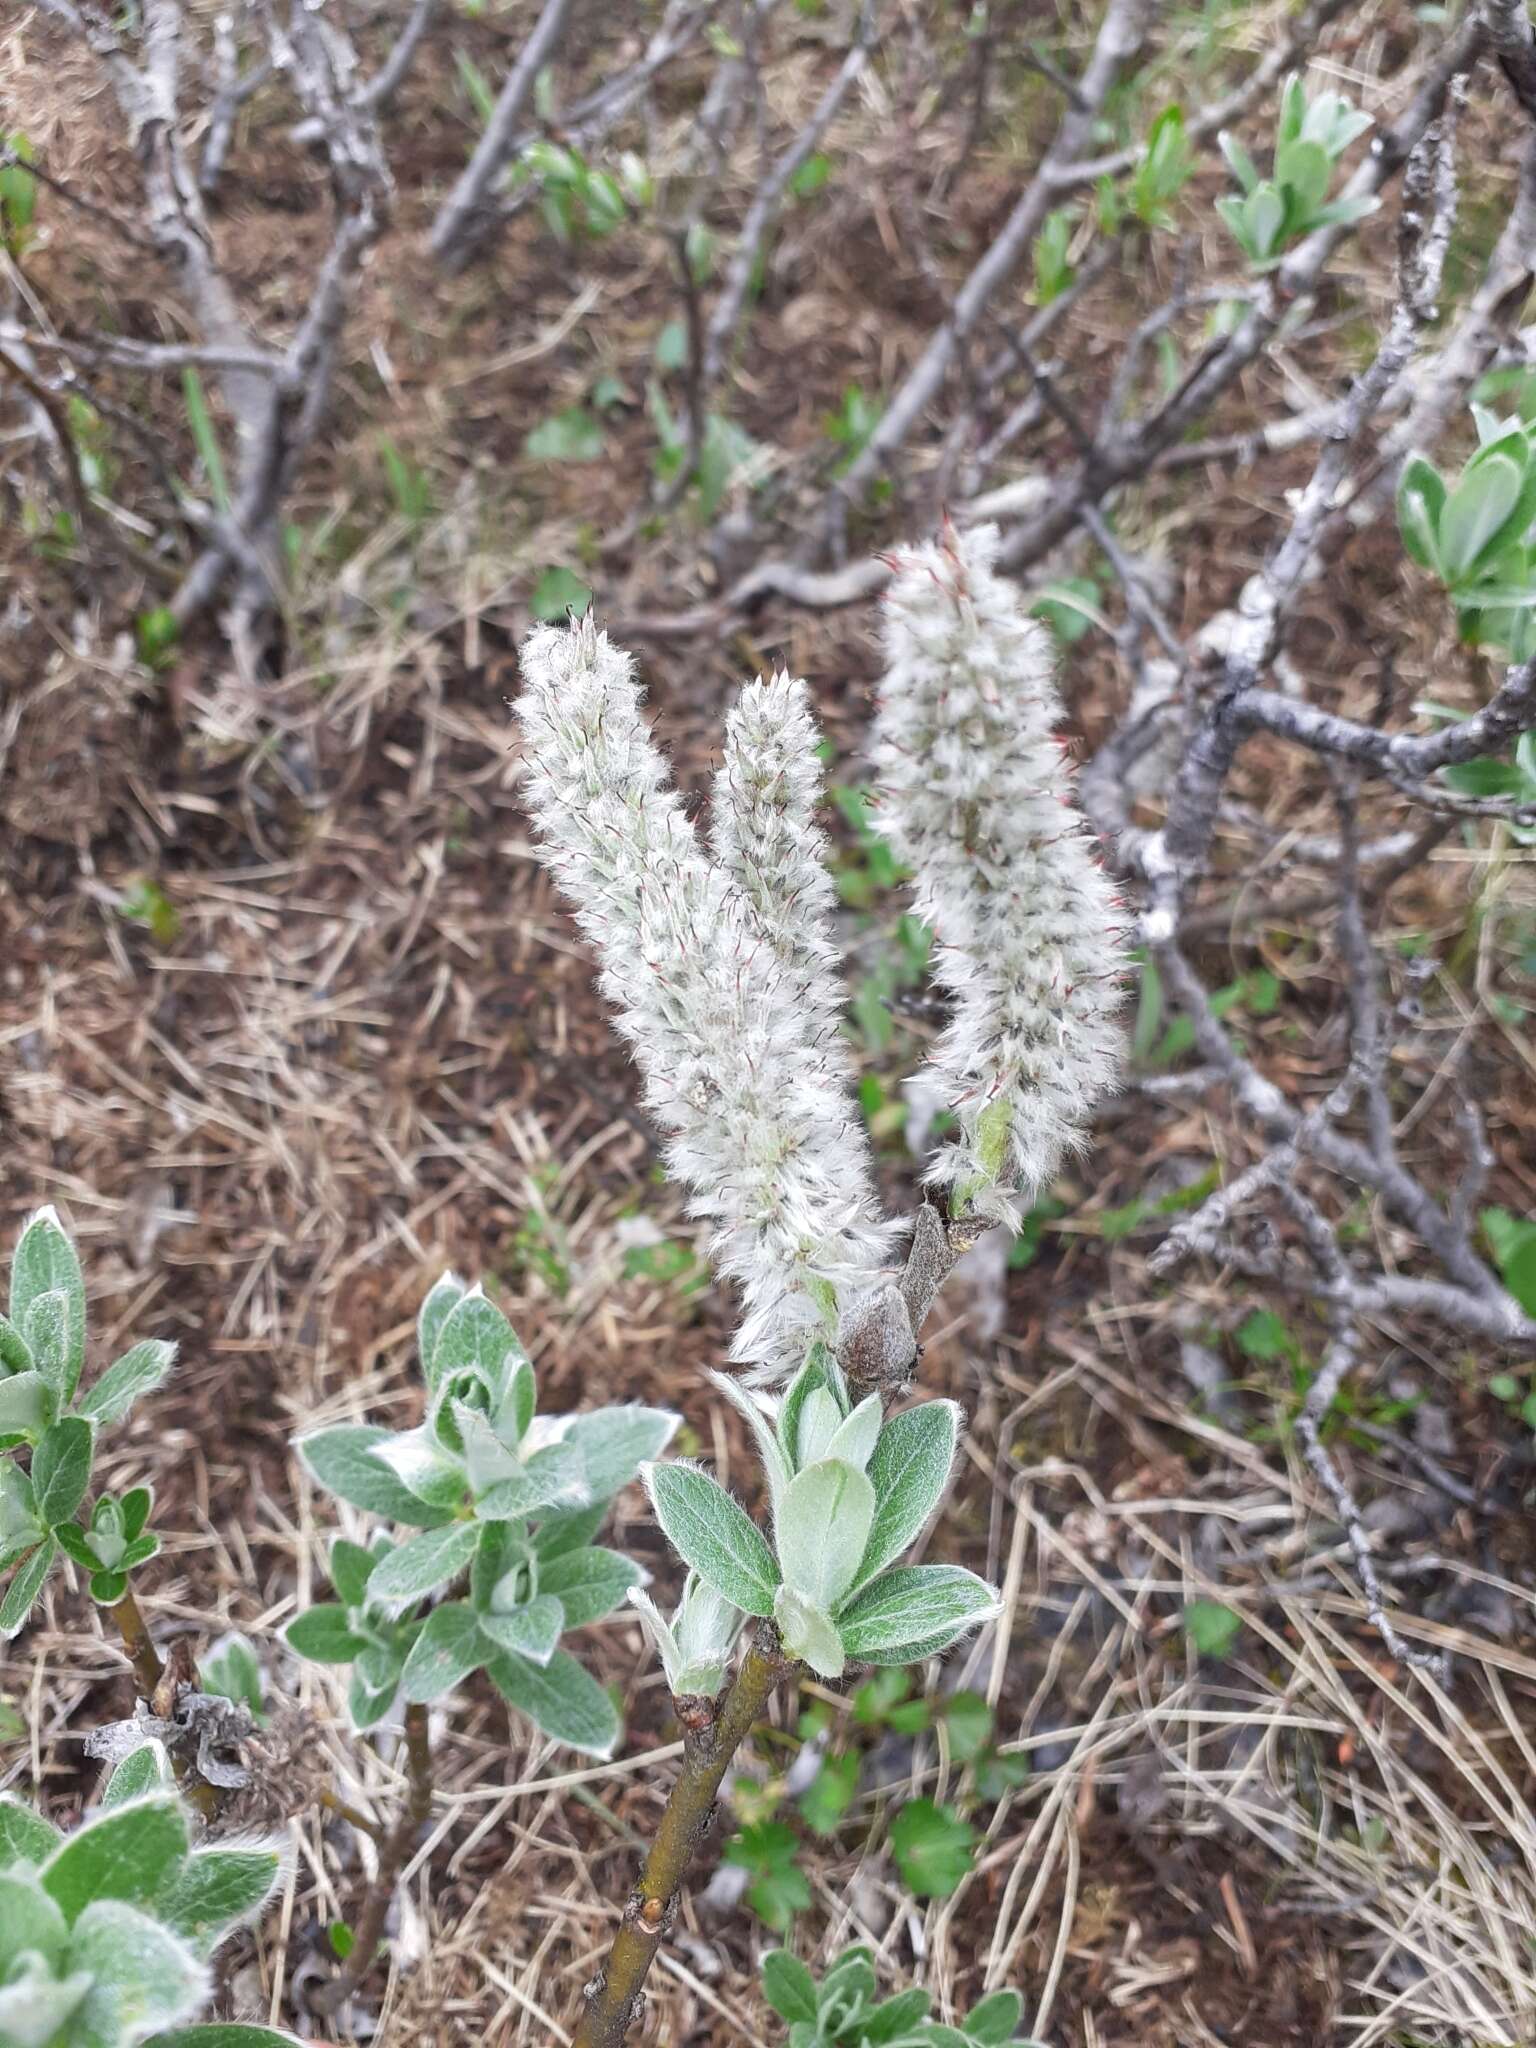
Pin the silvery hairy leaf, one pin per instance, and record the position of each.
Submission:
(710, 1532)
(822, 1529)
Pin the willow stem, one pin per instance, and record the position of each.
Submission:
(149, 1675)
(142, 1654)
(395, 1848)
(613, 1999)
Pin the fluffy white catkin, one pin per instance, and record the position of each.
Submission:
(759, 1126)
(976, 797)
(764, 834)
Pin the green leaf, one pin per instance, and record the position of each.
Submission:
(368, 1704)
(232, 1671)
(968, 1721)
(24, 1588)
(996, 2018)
(898, 2020)
(224, 2034)
(909, 1471)
(827, 1798)
(531, 1629)
(20, 1528)
(809, 1633)
(47, 1329)
(474, 1337)
(443, 1655)
(107, 1588)
(422, 1564)
(788, 1985)
(1476, 511)
(144, 1770)
(204, 438)
(341, 1460)
(45, 1262)
(570, 436)
(551, 1475)
(823, 1525)
(351, 1568)
(27, 1405)
(127, 1852)
(914, 1604)
(568, 1529)
(155, 632)
(142, 1976)
(15, 1351)
(562, 1699)
(1305, 172)
(589, 1583)
(1211, 1627)
(442, 1297)
(217, 1888)
(615, 1442)
(25, 1836)
(932, 1846)
(30, 1922)
(324, 1635)
(710, 1532)
(1421, 496)
(137, 1372)
(1264, 1335)
(780, 1888)
(558, 594)
(135, 1505)
(61, 1469)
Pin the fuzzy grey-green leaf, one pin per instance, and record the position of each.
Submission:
(909, 1471)
(447, 1650)
(44, 1263)
(562, 1699)
(710, 1532)
(423, 1564)
(341, 1459)
(139, 1371)
(914, 1604)
(589, 1583)
(127, 1852)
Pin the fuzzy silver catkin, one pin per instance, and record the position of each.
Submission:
(710, 982)
(976, 797)
(764, 835)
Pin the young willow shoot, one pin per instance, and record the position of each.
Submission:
(849, 1492)
(722, 964)
(44, 1413)
(1276, 212)
(106, 1932)
(844, 2010)
(502, 1504)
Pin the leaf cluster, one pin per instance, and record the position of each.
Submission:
(1293, 202)
(844, 2010)
(44, 1412)
(105, 1933)
(1475, 534)
(499, 1501)
(850, 1492)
